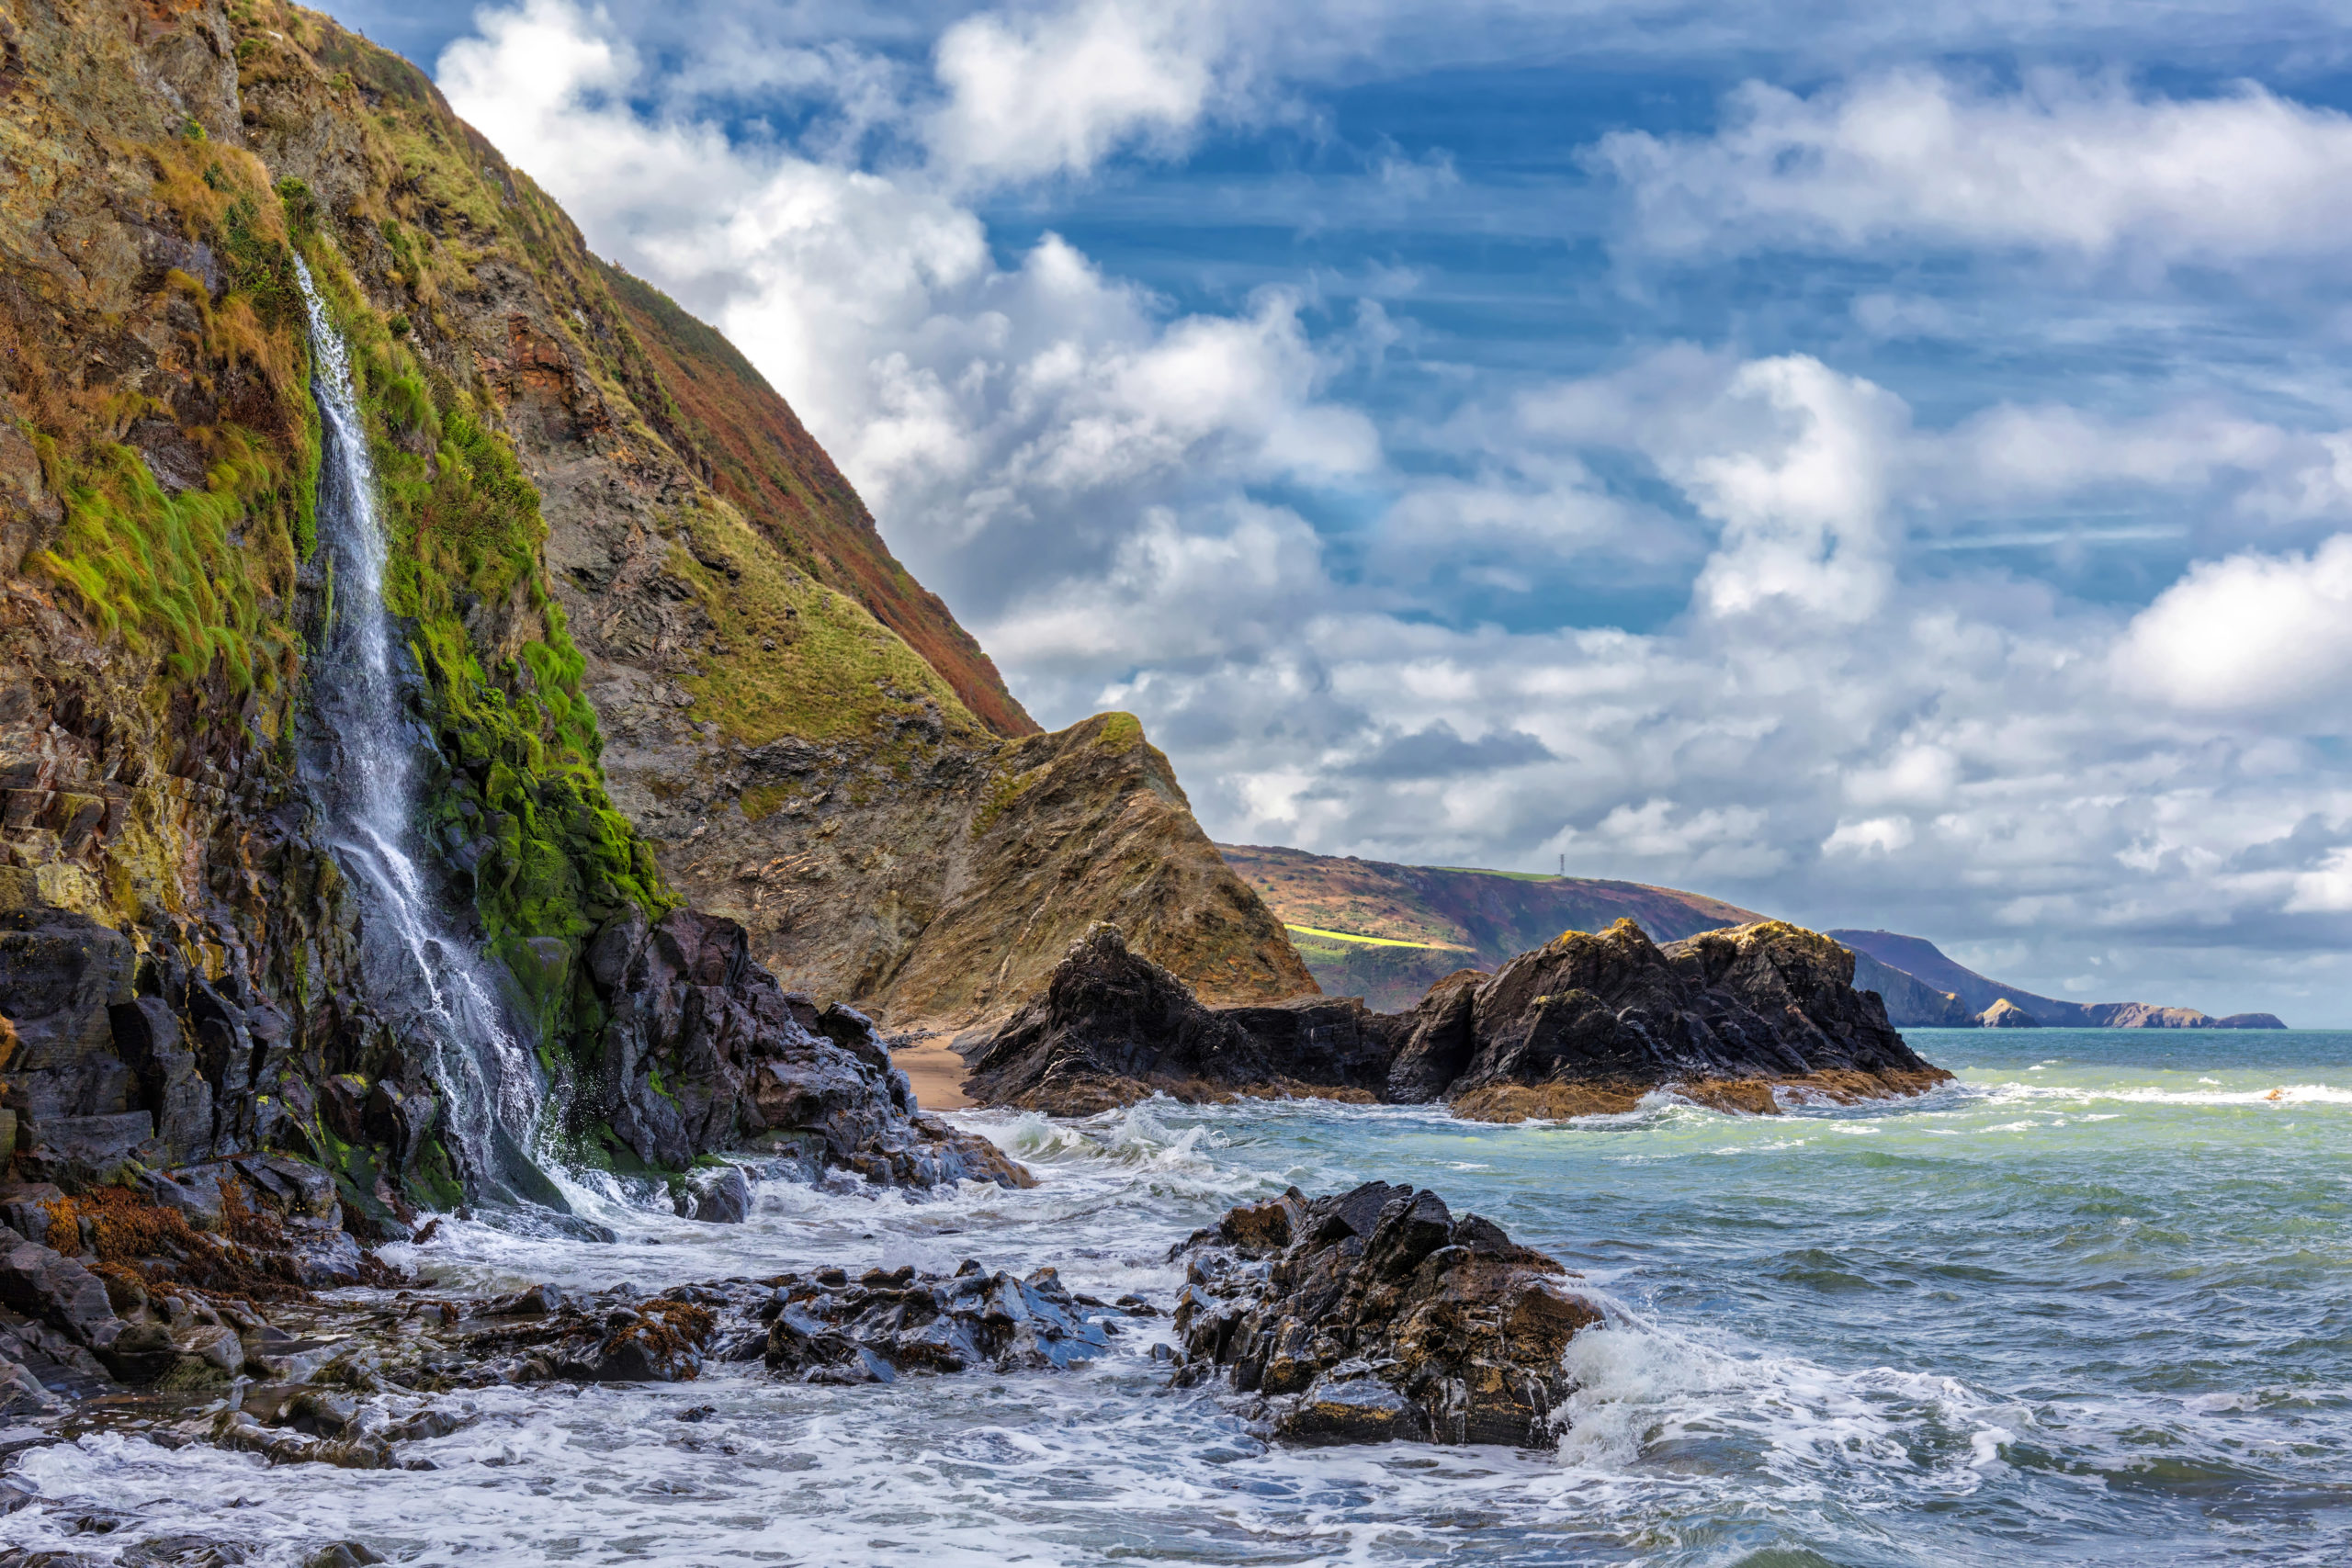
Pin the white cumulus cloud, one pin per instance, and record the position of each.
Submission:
(2086, 165)
(2247, 634)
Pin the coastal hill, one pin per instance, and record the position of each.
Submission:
(1926, 989)
(1387, 932)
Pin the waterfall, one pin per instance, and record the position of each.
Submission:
(360, 764)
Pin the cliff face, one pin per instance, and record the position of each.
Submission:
(644, 627)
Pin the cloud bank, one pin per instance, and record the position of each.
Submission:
(1368, 630)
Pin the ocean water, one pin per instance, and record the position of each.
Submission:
(2092, 1304)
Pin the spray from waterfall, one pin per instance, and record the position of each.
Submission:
(361, 765)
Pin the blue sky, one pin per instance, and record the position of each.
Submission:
(1884, 468)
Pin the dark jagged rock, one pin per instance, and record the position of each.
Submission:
(824, 1328)
(1111, 1028)
(1376, 1315)
(1583, 1025)
(705, 1051)
(721, 1196)
(815, 1327)
(46, 1285)
(601, 1338)
(1589, 1023)
(1438, 1038)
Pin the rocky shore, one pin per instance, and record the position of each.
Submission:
(1372, 1315)
(1586, 1024)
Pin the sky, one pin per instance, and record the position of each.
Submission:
(1885, 465)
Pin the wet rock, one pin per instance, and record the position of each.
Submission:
(1376, 1315)
(143, 1353)
(536, 1302)
(720, 1195)
(58, 1290)
(601, 1339)
(706, 1052)
(1111, 1028)
(341, 1554)
(821, 1329)
(22, 1395)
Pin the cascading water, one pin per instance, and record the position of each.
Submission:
(361, 768)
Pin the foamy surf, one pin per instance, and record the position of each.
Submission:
(1997, 1325)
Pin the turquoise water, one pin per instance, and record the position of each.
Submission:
(2091, 1304)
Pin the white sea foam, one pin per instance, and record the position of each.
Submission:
(1739, 1409)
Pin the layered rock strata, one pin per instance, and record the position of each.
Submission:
(1377, 1315)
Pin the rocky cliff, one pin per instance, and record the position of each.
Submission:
(651, 651)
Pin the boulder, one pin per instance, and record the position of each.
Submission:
(721, 1194)
(1590, 1023)
(1376, 1315)
(75, 1152)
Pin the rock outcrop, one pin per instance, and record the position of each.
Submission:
(1112, 1027)
(1375, 1315)
(703, 1050)
(1590, 1023)
(2006, 1014)
(1583, 1025)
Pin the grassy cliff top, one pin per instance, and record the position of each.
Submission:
(1492, 915)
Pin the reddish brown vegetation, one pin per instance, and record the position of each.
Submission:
(728, 421)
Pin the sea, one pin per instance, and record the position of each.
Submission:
(2090, 1304)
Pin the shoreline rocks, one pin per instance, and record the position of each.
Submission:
(1587, 1025)
(1112, 1027)
(1377, 1315)
(1590, 1023)
(703, 1051)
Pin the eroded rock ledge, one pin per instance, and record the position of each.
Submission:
(1586, 1024)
